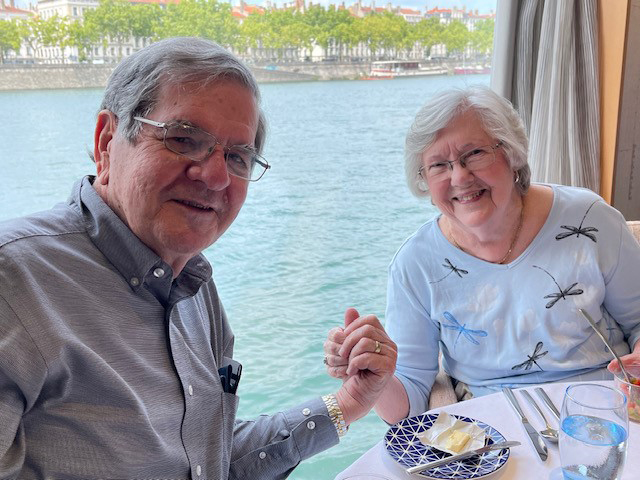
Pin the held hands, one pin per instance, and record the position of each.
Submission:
(364, 357)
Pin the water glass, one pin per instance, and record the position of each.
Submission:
(593, 434)
(630, 390)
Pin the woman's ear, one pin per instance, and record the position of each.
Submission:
(106, 125)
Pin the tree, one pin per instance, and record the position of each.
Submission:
(482, 36)
(384, 31)
(10, 38)
(456, 37)
(112, 21)
(83, 35)
(145, 18)
(38, 33)
(329, 27)
(275, 30)
(429, 32)
(58, 35)
(200, 18)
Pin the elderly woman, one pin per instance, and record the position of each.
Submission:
(495, 281)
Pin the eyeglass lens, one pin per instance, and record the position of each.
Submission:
(475, 159)
(198, 145)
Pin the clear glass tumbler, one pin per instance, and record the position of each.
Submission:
(630, 390)
(593, 434)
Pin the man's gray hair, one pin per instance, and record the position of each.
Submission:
(133, 87)
(499, 120)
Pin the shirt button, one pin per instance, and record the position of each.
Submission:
(191, 391)
(158, 273)
(311, 425)
(262, 455)
(306, 412)
(135, 281)
(198, 470)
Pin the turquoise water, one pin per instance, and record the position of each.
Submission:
(314, 237)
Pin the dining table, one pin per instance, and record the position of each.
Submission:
(494, 410)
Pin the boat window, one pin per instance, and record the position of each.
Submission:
(317, 232)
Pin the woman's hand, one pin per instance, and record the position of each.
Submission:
(632, 358)
(364, 357)
(337, 365)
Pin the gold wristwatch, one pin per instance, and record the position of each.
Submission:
(335, 414)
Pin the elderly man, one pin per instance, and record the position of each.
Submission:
(115, 351)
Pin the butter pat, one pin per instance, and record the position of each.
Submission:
(452, 435)
(457, 441)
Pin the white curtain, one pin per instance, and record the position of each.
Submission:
(546, 63)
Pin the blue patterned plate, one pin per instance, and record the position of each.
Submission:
(405, 447)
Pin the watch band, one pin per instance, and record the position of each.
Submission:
(335, 414)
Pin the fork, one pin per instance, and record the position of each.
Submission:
(549, 433)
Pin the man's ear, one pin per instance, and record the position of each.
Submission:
(106, 125)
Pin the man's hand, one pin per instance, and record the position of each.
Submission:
(364, 357)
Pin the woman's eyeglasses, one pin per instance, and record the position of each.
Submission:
(475, 159)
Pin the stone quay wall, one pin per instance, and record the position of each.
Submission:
(42, 77)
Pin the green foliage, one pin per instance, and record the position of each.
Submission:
(38, 33)
(82, 35)
(429, 32)
(10, 37)
(145, 18)
(482, 36)
(455, 36)
(384, 31)
(117, 21)
(199, 18)
(112, 21)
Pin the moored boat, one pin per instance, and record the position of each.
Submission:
(471, 70)
(402, 68)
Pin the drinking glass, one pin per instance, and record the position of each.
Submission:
(630, 390)
(593, 434)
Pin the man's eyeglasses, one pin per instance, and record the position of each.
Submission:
(198, 145)
(475, 159)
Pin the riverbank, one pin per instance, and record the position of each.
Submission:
(43, 77)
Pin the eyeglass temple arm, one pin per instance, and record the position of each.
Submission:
(150, 122)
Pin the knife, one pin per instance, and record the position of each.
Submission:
(534, 436)
(462, 456)
(545, 398)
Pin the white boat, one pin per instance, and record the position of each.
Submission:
(402, 68)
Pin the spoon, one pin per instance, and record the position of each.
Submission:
(584, 313)
(549, 433)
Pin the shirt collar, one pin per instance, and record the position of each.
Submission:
(138, 264)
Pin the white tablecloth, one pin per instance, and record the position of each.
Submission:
(523, 463)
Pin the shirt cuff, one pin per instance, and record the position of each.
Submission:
(311, 427)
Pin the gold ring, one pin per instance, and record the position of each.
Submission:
(377, 350)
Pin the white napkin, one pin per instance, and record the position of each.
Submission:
(444, 426)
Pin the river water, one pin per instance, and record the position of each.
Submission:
(315, 236)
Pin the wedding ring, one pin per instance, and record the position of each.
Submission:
(377, 350)
(325, 361)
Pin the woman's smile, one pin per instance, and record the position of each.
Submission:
(470, 197)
